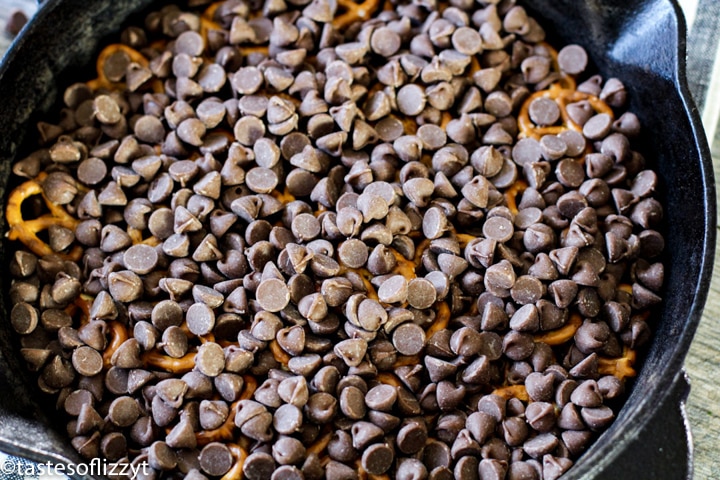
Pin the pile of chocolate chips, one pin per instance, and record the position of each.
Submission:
(315, 241)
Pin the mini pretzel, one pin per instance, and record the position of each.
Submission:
(26, 230)
(405, 360)
(223, 433)
(566, 81)
(118, 335)
(157, 360)
(236, 471)
(136, 237)
(209, 12)
(512, 193)
(354, 12)
(464, 239)
(563, 334)
(621, 367)
(320, 444)
(279, 354)
(388, 379)
(404, 267)
(136, 57)
(442, 318)
(562, 97)
(364, 475)
(513, 391)
(284, 197)
(208, 337)
(82, 304)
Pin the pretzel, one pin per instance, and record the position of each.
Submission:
(405, 360)
(320, 444)
(405, 267)
(236, 471)
(354, 12)
(388, 379)
(279, 354)
(464, 239)
(621, 367)
(364, 475)
(565, 80)
(136, 237)
(26, 230)
(513, 391)
(157, 360)
(442, 318)
(118, 335)
(512, 193)
(102, 82)
(563, 334)
(284, 197)
(82, 304)
(225, 431)
(563, 97)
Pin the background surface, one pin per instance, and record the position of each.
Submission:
(703, 360)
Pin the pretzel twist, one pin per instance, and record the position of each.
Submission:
(26, 230)
(225, 432)
(118, 335)
(102, 82)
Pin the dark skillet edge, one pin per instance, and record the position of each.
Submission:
(671, 385)
(22, 433)
(26, 430)
(33, 447)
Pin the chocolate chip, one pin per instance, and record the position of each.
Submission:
(598, 126)
(409, 339)
(421, 293)
(215, 459)
(572, 59)
(210, 359)
(16, 21)
(273, 294)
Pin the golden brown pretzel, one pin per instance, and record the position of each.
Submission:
(26, 230)
(354, 12)
(118, 335)
(136, 57)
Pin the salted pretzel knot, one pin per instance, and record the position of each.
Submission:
(26, 230)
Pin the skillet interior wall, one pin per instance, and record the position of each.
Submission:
(638, 42)
(60, 44)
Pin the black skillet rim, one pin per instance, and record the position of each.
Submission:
(599, 454)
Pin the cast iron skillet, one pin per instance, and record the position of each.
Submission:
(640, 41)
